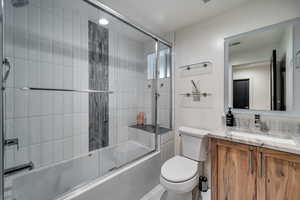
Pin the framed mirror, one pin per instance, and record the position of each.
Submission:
(262, 70)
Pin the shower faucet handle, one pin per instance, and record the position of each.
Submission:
(12, 142)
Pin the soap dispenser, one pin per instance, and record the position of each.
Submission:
(229, 118)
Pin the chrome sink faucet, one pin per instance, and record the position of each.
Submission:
(262, 126)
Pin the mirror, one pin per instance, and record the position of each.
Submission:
(260, 69)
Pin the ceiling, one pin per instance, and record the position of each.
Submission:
(258, 40)
(162, 16)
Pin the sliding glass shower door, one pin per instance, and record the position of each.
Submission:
(78, 102)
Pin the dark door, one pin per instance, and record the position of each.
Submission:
(241, 94)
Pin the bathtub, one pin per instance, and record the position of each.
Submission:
(100, 175)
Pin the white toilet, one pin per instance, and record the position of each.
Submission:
(179, 175)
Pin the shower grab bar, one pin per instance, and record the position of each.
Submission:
(14, 170)
(67, 90)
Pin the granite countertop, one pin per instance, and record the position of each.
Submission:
(286, 143)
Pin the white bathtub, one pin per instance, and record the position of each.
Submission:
(100, 175)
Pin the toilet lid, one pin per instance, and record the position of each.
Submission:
(179, 169)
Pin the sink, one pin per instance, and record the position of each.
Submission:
(264, 138)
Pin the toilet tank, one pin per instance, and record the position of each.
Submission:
(194, 143)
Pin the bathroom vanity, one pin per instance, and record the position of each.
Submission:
(260, 159)
(249, 172)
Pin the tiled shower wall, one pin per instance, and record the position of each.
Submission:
(47, 45)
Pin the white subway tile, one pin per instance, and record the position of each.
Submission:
(47, 128)
(47, 153)
(84, 103)
(84, 143)
(9, 157)
(35, 130)
(68, 126)
(34, 35)
(34, 103)
(58, 150)
(8, 30)
(20, 32)
(68, 78)
(58, 127)
(47, 103)
(35, 155)
(58, 36)
(68, 148)
(77, 145)
(9, 102)
(46, 75)
(22, 156)
(9, 128)
(47, 35)
(68, 103)
(22, 131)
(58, 103)
(84, 123)
(76, 124)
(20, 73)
(76, 103)
(67, 37)
(46, 4)
(58, 76)
(21, 103)
(34, 74)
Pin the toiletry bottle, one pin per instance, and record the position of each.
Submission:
(229, 118)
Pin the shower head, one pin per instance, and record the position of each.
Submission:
(19, 3)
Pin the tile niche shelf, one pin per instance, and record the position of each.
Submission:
(151, 128)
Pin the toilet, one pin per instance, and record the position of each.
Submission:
(180, 175)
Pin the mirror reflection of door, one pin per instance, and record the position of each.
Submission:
(241, 94)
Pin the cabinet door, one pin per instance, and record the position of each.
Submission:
(278, 175)
(233, 171)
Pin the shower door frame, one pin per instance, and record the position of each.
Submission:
(123, 19)
(1, 101)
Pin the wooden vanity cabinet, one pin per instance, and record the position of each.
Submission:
(278, 175)
(244, 172)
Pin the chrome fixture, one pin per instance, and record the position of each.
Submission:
(262, 126)
(195, 91)
(195, 86)
(204, 94)
(19, 3)
(14, 170)
(196, 65)
(12, 142)
(66, 90)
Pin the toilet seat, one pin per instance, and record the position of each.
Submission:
(179, 174)
(179, 169)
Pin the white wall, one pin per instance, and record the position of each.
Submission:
(205, 41)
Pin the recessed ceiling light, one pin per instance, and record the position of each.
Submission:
(103, 21)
